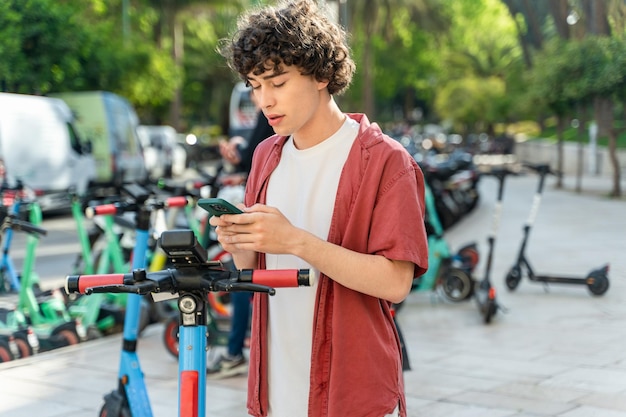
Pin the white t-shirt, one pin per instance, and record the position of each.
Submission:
(303, 187)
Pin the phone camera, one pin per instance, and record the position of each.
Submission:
(219, 208)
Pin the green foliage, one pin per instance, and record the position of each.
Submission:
(41, 45)
(152, 79)
(471, 102)
(405, 63)
(482, 52)
(569, 73)
(571, 135)
(546, 81)
(482, 40)
(208, 79)
(460, 57)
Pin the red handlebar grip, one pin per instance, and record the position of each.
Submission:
(101, 210)
(277, 278)
(197, 185)
(180, 201)
(80, 283)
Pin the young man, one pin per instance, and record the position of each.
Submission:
(332, 193)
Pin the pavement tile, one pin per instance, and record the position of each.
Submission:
(540, 392)
(613, 401)
(451, 409)
(590, 379)
(512, 402)
(585, 411)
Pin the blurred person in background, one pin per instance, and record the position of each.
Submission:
(238, 151)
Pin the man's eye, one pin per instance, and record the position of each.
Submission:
(279, 85)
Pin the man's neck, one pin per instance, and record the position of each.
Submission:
(324, 123)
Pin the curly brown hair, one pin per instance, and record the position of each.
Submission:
(294, 33)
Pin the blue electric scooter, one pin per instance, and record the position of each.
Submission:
(189, 281)
(9, 277)
(131, 397)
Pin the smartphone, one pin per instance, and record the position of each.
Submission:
(218, 206)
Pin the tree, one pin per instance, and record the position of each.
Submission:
(209, 81)
(375, 24)
(593, 66)
(530, 19)
(176, 17)
(476, 64)
(41, 46)
(547, 87)
(601, 80)
(602, 73)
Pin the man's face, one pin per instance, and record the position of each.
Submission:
(288, 99)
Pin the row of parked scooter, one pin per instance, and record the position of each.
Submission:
(451, 192)
(33, 320)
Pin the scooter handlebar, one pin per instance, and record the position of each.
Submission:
(173, 280)
(540, 168)
(28, 227)
(122, 207)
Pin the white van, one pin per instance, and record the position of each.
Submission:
(39, 146)
(110, 123)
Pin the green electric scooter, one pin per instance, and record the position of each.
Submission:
(452, 273)
(43, 312)
(101, 313)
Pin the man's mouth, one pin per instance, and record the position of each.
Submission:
(274, 119)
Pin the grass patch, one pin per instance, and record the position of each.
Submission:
(571, 134)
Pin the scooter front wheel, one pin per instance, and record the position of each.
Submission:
(124, 412)
(5, 352)
(23, 348)
(513, 278)
(598, 284)
(65, 338)
(170, 335)
(457, 285)
(490, 310)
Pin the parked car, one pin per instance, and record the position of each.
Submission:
(110, 123)
(40, 146)
(163, 156)
(242, 111)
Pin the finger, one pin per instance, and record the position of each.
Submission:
(230, 219)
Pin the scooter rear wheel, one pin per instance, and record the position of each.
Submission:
(23, 348)
(5, 352)
(457, 285)
(65, 338)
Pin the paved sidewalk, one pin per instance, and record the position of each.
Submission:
(560, 352)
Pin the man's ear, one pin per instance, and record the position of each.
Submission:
(322, 85)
